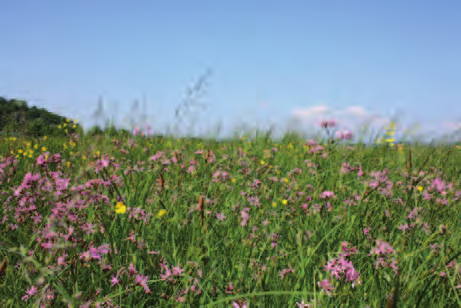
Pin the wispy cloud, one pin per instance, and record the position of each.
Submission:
(361, 122)
(349, 115)
(452, 125)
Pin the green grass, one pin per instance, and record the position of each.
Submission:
(261, 222)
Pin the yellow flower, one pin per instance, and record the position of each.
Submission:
(420, 188)
(120, 208)
(262, 162)
(161, 213)
(284, 202)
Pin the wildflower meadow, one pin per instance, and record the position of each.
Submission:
(150, 221)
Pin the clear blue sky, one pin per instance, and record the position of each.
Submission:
(271, 62)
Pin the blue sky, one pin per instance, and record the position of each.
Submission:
(287, 63)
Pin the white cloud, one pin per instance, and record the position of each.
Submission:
(355, 113)
(357, 110)
(320, 109)
(452, 125)
(351, 118)
(357, 120)
(314, 111)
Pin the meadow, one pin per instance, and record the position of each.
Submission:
(145, 221)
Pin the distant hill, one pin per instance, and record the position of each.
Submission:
(18, 119)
